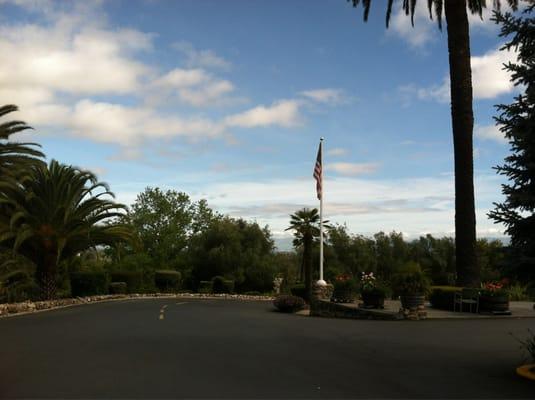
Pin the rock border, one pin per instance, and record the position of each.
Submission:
(29, 307)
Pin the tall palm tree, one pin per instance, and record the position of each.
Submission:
(455, 11)
(305, 224)
(57, 214)
(15, 158)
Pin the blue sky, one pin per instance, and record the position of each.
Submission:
(227, 101)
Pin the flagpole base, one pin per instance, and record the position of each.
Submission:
(321, 282)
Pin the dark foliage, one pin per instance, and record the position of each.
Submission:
(118, 288)
(133, 280)
(288, 304)
(88, 283)
(167, 280)
(517, 122)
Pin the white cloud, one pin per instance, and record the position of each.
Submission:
(424, 30)
(489, 132)
(488, 76)
(201, 58)
(284, 113)
(181, 78)
(90, 61)
(325, 96)
(337, 152)
(414, 205)
(489, 79)
(352, 169)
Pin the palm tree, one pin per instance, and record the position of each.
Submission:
(305, 224)
(57, 214)
(15, 158)
(455, 11)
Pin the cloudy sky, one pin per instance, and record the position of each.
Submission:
(227, 101)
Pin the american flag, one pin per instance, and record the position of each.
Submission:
(318, 174)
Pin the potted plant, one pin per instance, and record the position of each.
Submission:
(345, 289)
(372, 292)
(411, 284)
(493, 297)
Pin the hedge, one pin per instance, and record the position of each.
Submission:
(299, 290)
(205, 287)
(167, 280)
(88, 283)
(133, 279)
(118, 288)
(222, 285)
(442, 297)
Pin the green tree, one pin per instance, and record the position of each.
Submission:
(165, 222)
(517, 122)
(305, 224)
(15, 158)
(462, 120)
(236, 249)
(57, 214)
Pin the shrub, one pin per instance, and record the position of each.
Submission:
(299, 290)
(222, 285)
(442, 297)
(288, 304)
(518, 292)
(88, 283)
(345, 288)
(252, 293)
(118, 288)
(410, 280)
(167, 280)
(133, 279)
(205, 287)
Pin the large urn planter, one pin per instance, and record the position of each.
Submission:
(412, 301)
(373, 299)
(494, 303)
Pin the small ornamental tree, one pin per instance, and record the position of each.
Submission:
(517, 122)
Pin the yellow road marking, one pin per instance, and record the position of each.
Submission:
(180, 303)
(164, 307)
(161, 316)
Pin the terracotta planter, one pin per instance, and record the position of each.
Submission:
(412, 301)
(373, 299)
(493, 303)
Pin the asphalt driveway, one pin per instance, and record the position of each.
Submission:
(167, 348)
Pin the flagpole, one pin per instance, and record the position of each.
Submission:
(321, 282)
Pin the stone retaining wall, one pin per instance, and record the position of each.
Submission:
(321, 308)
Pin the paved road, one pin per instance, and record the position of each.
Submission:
(218, 348)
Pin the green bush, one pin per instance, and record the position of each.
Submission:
(442, 297)
(518, 292)
(410, 280)
(88, 283)
(133, 280)
(205, 287)
(298, 290)
(167, 280)
(252, 293)
(118, 288)
(288, 304)
(222, 285)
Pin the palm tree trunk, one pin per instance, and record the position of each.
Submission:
(46, 276)
(468, 273)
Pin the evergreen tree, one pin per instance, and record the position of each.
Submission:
(517, 122)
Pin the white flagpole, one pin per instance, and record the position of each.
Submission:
(321, 281)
